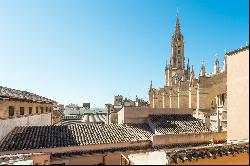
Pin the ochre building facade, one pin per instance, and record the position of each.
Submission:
(22, 108)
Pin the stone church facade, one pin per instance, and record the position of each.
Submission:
(206, 94)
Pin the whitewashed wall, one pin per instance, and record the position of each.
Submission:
(35, 120)
(238, 95)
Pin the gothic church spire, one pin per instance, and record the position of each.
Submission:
(177, 23)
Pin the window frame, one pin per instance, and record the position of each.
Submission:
(11, 110)
(30, 110)
(22, 111)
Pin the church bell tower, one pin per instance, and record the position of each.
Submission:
(177, 47)
(177, 65)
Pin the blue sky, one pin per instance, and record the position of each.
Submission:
(90, 50)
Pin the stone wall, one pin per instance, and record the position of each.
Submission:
(34, 120)
(112, 117)
(183, 99)
(140, 114)
(4, 108)
(209, 88)
(197, 94)
(187, 138)
(192, 100)
(109, 158)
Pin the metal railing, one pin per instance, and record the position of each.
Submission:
(124, 160)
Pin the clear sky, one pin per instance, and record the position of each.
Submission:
(90, 50)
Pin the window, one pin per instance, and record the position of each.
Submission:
(30, 110)
(223, 99)
(50, 109)
(11, 111)
(37, 110)
(21, 110)
(41, 109)
(179, 51)
(46, 109)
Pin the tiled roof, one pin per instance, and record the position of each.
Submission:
(142, 129)
(22, 95)
(81, 110)
(94, 118)
(37, 137)
(86, 118)
(58, 113)
(177, 124)
(189, 154)
(11, 159)
(237, 50)
(72, 117)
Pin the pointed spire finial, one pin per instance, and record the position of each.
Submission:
(216, 57)
(188, 65)
(191, 77)
(202, 71)
(177, 24)
(166, 66)
(151, 84)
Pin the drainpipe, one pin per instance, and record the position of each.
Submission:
(103, 159)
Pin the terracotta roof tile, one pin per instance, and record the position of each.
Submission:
(237, 50)
(22, 95)
(35, 137)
